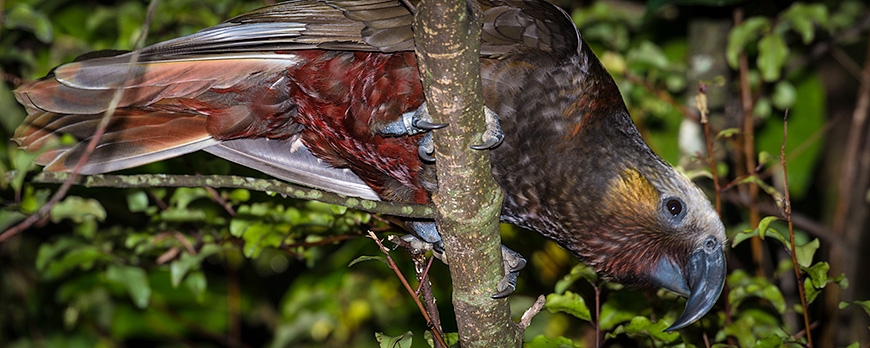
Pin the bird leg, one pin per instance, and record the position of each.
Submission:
(425, 237)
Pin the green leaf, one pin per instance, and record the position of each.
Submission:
(656, 330)
(784, 95)
(772, 54)
(772, 294)
(579, 271)
(818, 274)
(742, 35)
(401, 341)
(183, 196)
(179, 268)
(764, 225)
(570, 303)
(25, 17)
(197, 283)
(367, 258)
(802, 18)
(82, 257)
(804, 253)
(811, 291)
(863, 304)
(239, 195)
(763, 230)
(48, 252)
(77, 209)
(137, 201)
(742, 236)
(542, 341)
(772, 341)
(727, 133)
(134, 279)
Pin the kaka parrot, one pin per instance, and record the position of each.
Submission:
(327, 93)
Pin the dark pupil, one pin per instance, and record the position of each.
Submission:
(675, 207)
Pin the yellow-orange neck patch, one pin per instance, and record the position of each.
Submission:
(632, 192)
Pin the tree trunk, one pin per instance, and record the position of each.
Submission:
(468, 201)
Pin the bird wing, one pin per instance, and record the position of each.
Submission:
(510, 27)
(229, 81)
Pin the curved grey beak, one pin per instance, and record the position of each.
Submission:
(702, 283)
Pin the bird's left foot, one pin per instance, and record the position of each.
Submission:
(492, 136)
(425, 237)
(513, 264)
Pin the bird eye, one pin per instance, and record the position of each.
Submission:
(674, 206)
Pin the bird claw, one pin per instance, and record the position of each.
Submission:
(411, 123)
(513, 264)
(493, 136)
(423, 124)
(425, 148)
(425, 237)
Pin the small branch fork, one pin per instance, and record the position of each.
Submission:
(436, 329)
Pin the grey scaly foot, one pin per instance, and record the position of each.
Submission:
(425, 237)
(411, 122)
(492, 136)
(513, 264)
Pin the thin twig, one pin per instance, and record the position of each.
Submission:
(424, 289)
(787, 212)
(530, 313)
(597, 288)
(435, 330)
(701, 104)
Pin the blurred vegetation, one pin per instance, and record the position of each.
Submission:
(193, 267)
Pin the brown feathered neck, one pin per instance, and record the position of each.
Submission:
(577, 170)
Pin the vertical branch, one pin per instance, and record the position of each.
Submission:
(787, 212)
(748, 148)
(447, 36)
(701, 104)
(848, 220)
(437, 335)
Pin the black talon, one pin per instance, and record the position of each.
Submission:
(425, 156)
(490, 143)
(493, 136)
(423, 124)
(504, 293)
(425, 148)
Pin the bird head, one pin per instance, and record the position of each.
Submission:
(657, 227)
